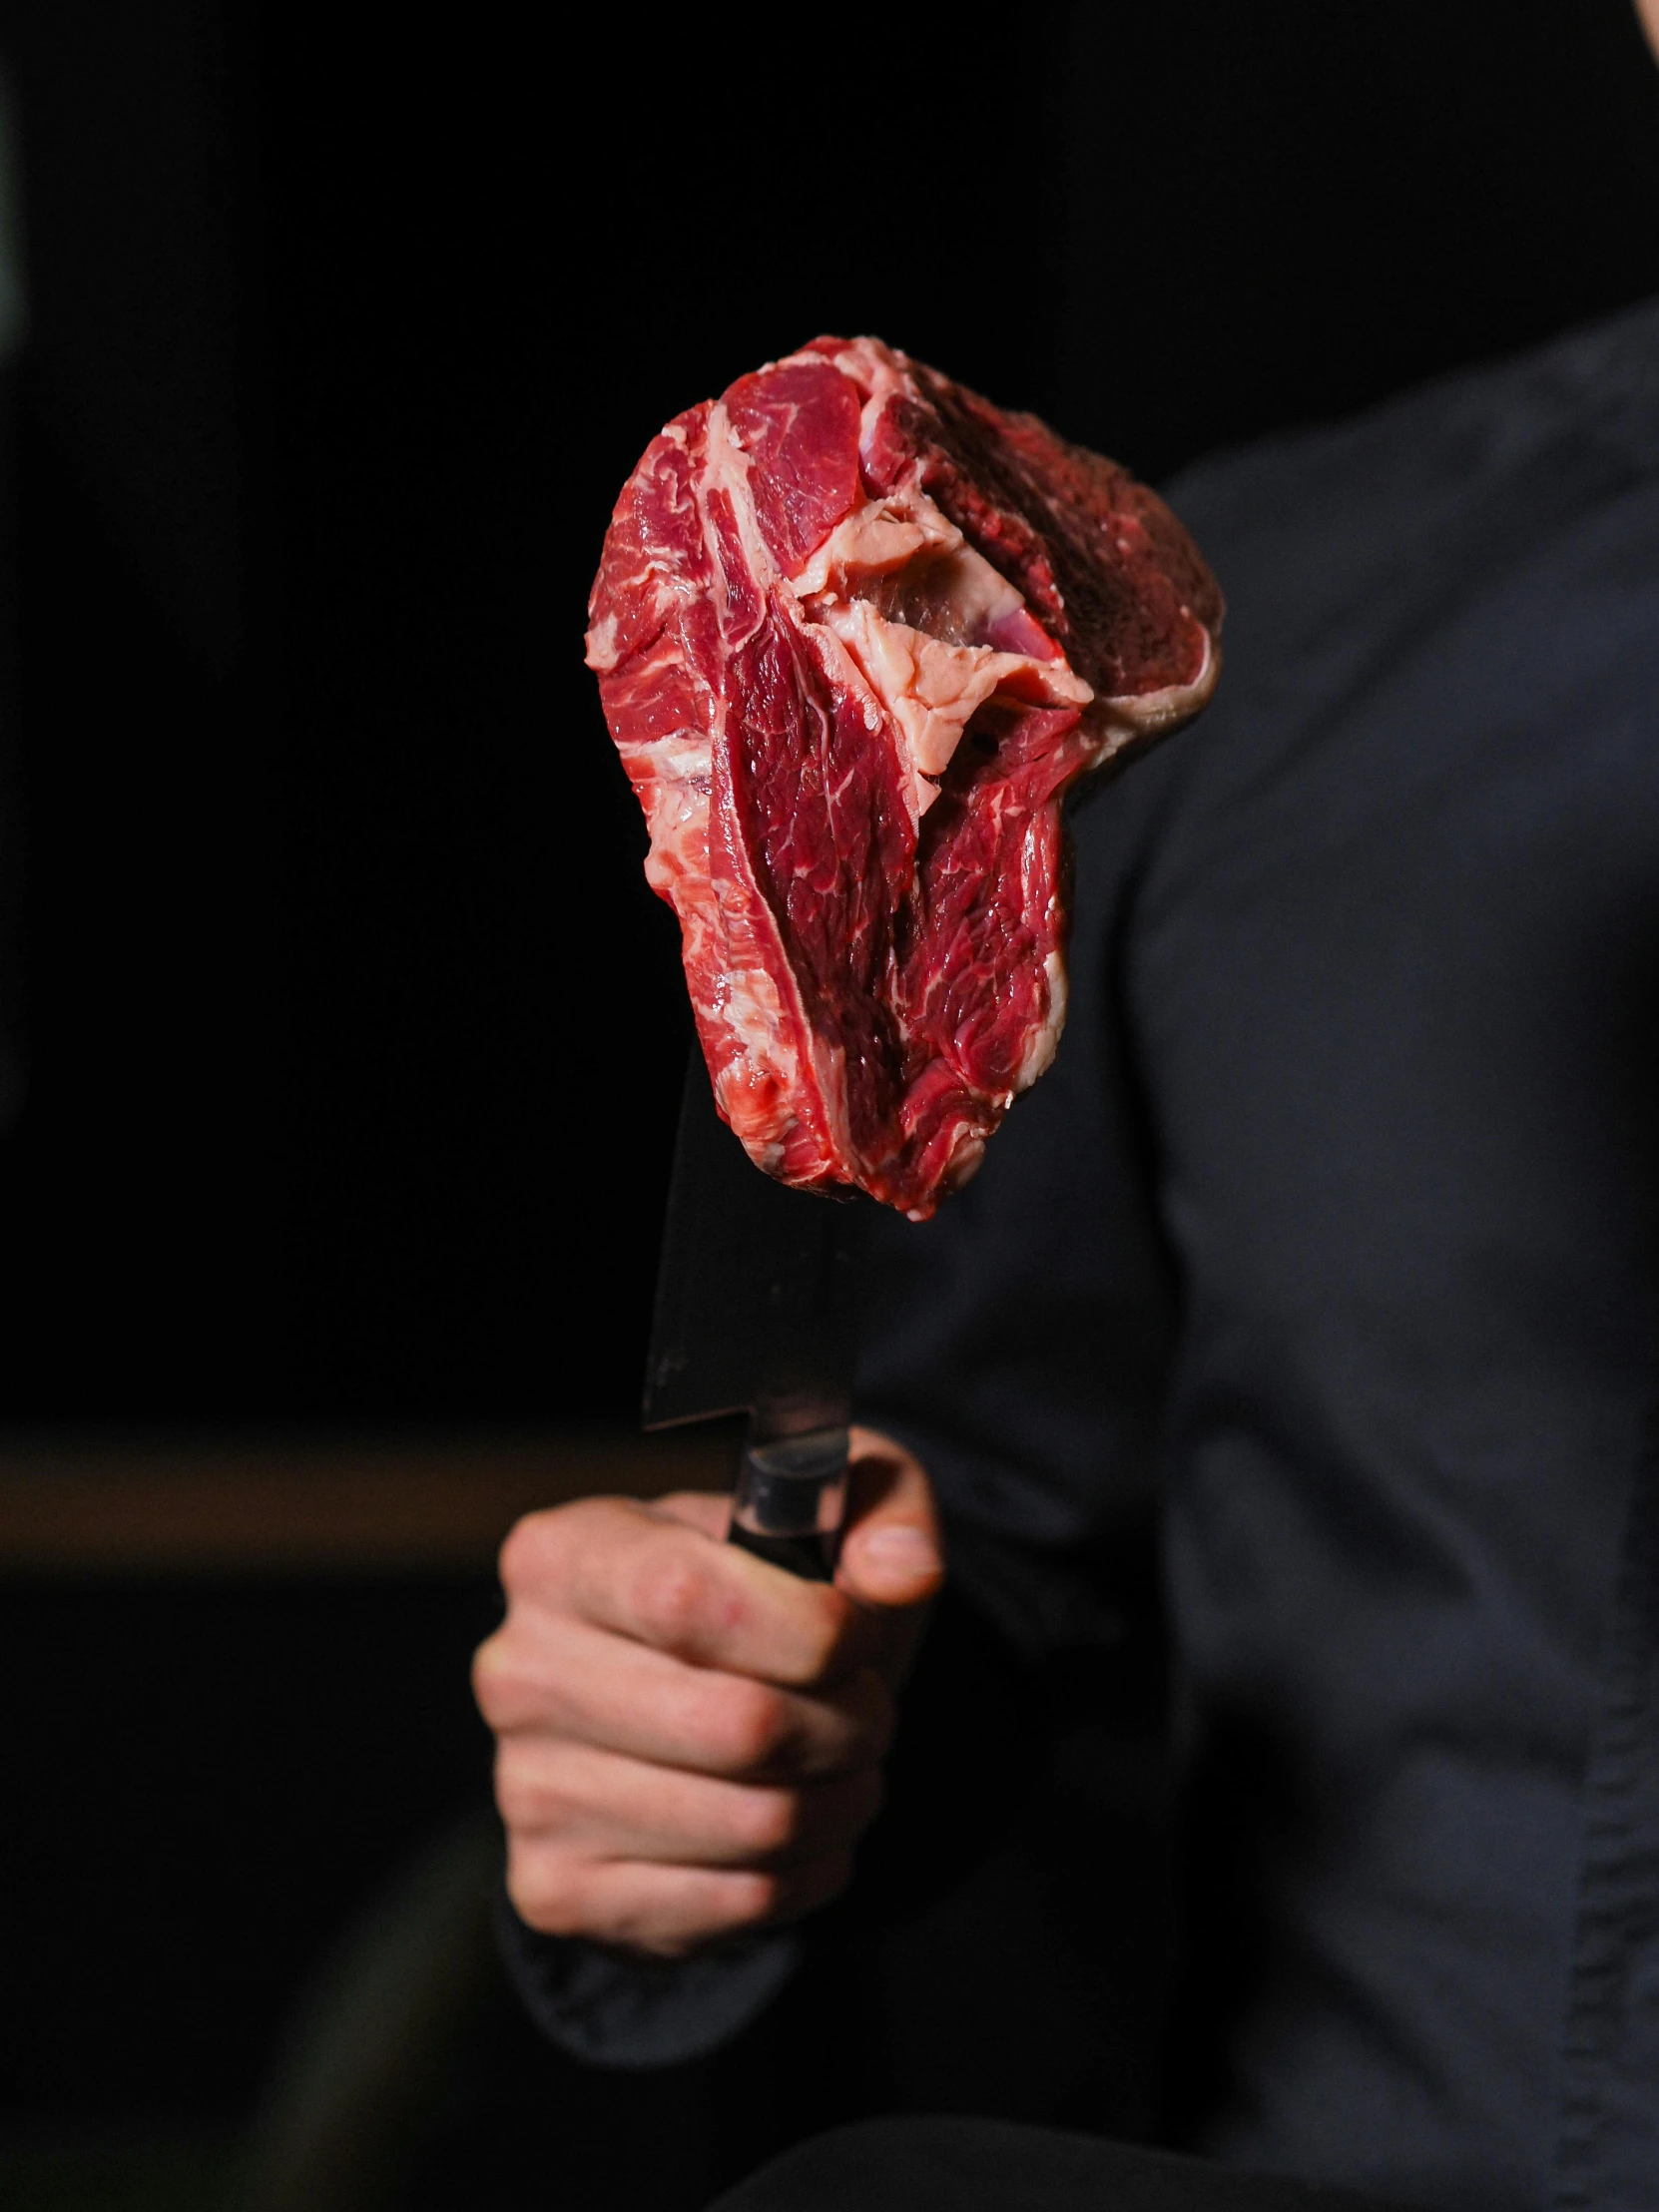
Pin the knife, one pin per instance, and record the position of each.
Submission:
(757, 1296)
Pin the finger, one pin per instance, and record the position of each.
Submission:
(699, 1509)
(552, 1675)
(603, 1805)
(625, 1567)
(893, 1554)
(663, 1912)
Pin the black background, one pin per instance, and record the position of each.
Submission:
(350, 1037)
(352, 1032)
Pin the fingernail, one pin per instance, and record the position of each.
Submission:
(904, 1549)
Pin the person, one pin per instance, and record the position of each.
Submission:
(1336, 1227)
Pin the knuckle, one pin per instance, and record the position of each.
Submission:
(748, 1725)
(488, 1672)
(539, 1546)
(671, 1596)
(522, 1795)
(504, 1685)
(545, 1891)
(532, 1545)
(752, 1899)
(769, 1822)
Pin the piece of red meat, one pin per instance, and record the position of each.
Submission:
(857, 631)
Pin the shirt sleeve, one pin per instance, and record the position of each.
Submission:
(610, 2009)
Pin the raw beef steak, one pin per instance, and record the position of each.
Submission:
(857, 631)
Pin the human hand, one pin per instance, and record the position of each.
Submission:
(689, 1741)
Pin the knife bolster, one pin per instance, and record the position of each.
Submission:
(789, 1500)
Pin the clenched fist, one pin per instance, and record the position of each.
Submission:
(689, 1741)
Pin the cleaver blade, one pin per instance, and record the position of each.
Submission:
(756, 1312)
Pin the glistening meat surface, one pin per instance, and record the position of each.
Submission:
(857, 631)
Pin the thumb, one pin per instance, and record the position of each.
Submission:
(892, 1553)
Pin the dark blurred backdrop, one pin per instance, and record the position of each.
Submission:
(349, 1036)
(350, 1030)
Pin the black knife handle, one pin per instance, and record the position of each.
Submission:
(789, 1500)
(811, 1557)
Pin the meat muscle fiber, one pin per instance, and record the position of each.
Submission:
(857, 631)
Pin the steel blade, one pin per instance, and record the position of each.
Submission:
(756, 1292)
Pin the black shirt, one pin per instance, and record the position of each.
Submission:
(1335, 1227)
